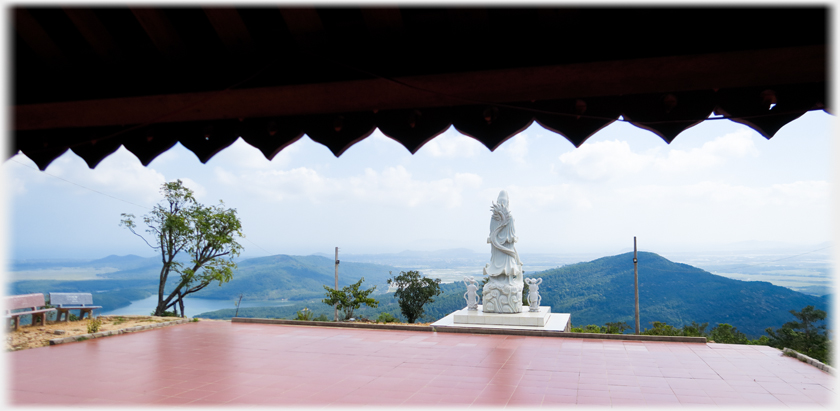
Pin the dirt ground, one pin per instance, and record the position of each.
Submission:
(29, 336)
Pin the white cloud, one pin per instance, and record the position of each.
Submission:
(542, 198)
(199, 191)
(452, 144)
(393, 186)
(120, 175)
(713, 153)
(516, 147)
(604, 160)
(14, 186)
(709, 193)
(243, 155)
(801, 193)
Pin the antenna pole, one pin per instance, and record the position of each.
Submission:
(636, 282)
(237, 305)
(336, 282)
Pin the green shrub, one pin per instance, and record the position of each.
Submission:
(72, 317)
(304, 315)
(386, 318)
(119, 320)
(763, 340)
(591, 328)
(166, 314)
(727, 334)
(93, 325)
(322, 317)
(615, 328)
(661, 328)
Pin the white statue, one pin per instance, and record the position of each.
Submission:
(534, 296)
(503, 291)
(471, 295)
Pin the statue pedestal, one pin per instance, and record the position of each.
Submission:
(542, 320)
(526, 318)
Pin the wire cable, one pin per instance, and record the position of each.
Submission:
(79, 185)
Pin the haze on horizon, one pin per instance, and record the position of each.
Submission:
(718, 183)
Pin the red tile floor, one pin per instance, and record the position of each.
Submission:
(222, 363)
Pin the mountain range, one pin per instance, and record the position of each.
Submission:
(594, 292)
(601, 291)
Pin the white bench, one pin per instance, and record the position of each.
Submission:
(32, 303)
(64, 302)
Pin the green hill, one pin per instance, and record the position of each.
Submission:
(294, 278)
(601, 291)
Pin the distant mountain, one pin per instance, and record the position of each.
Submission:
(295, 278)
(126, 262)
(412, 254)
(448, 253)
(601, 291)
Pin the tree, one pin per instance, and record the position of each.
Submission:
(694, 329)
(803, 336)
(350, 298)
(413, 292)
(727, 334)
(181, 225)
(661, 328)
(616, 327)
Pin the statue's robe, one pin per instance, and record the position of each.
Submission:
(502, 263)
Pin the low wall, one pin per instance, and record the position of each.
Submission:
(806, 359)
(475, 330)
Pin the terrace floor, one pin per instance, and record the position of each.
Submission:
(238, 364)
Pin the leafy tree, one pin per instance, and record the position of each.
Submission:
(804, 335)
(694, 329)
(350, 298)
(616, 327)
(763, 340)
(179, 224)
(727, 334)
(413, 292)
(525, 291)
(661, 328)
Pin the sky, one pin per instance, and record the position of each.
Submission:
(716, 184)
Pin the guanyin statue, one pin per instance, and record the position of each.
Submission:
(503, 291)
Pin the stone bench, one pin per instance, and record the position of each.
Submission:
(64, 302)
(33, 304)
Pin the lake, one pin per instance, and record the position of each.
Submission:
(192, 306)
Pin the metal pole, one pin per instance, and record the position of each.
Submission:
(636, 282)
(336, 282)
(237, 305)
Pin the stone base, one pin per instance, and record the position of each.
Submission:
(556, 322)
(524, 318)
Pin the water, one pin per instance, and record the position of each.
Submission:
(192, 306)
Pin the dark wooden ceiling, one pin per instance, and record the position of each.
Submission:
(91, 79)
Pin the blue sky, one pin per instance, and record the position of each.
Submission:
(718, 183)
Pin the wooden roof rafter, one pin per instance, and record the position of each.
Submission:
(149, 77)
